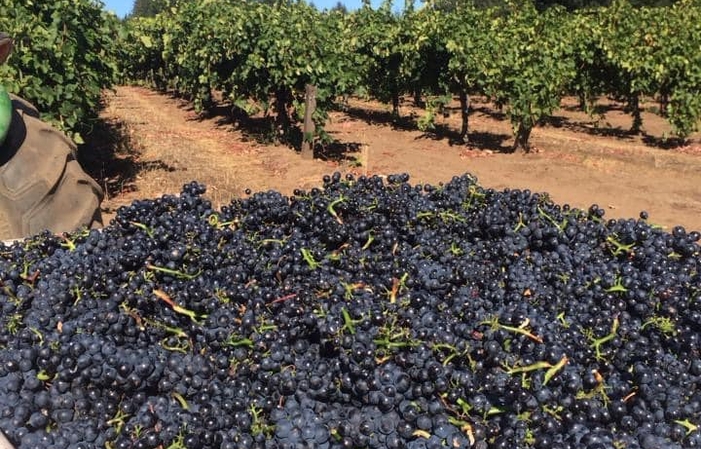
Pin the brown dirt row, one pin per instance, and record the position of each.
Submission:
(162, 143)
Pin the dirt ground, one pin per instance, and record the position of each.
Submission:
(151, 143)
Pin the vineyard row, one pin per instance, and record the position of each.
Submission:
(261, 56)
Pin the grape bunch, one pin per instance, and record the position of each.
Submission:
(366, 313)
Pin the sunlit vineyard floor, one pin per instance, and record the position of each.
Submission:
(165, 144)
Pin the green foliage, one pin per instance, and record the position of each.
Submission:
(143, 45)
(147, 8)
(426, 56)
(595, 74)
(392, 47)
(530, 67)
(261, 55)
(65, 54)
(572, 5)
(340, 7)
(655, 51)
(253, 52)
(464, 37)
(467, 33)
(449, 6)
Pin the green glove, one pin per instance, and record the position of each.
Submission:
(5, 114)
(5, 102)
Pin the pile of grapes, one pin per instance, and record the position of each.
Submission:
(369, 313)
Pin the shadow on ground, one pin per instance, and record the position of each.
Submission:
(338, 151)
(593, 128)
(385, 118)
(479, 140)
(263, 129)
(260, 129)
(111, 158)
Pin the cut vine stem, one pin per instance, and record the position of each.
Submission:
(597, 342)
(283, 298)
(494, 323)
(163, 296)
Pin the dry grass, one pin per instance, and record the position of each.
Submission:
(134, 159)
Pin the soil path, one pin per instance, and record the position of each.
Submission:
(575, 162)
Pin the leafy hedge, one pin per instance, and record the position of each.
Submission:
(259, 56)
(65, 53)
(523, 59)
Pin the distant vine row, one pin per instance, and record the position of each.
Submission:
(260, 56)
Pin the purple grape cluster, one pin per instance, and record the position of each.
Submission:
(367, 313)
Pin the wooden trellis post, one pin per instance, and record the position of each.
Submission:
(309, 131)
